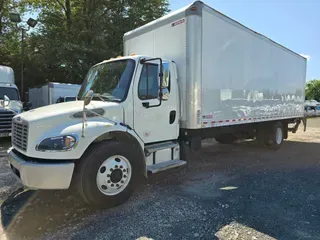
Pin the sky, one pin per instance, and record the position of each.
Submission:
(294, 24)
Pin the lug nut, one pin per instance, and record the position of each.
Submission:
(108, 175)
(111, 169)
(122, 181)
(124, 176)
(116, 166)
(124, 170)
(117, 185)
(112, 185)
(121, 166)
(108, 181)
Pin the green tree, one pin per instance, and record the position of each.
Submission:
(313, 90)
(72, 35)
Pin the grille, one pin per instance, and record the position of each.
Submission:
(6, 120)
(19, 136)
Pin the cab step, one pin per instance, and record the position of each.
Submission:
(165, 165)
(160, 146)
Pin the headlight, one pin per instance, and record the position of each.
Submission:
(61, 143)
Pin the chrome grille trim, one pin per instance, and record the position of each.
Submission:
(19, 138)
(6, 120)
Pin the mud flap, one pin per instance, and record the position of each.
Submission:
(296, 126)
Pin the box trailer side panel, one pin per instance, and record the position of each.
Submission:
(35, 96)
(175, 37)
(245, 76)
(6, 74)
(61, 90)
(45, 95)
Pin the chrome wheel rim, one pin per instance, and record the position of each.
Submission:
(278, 135)
(114, 175)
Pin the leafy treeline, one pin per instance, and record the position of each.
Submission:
(313, 90)
(71, 35)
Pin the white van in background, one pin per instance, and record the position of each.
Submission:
(10, 102)
(52, 92)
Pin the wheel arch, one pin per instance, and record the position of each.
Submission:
(124, 137)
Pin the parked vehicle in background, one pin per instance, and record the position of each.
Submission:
(310, 111)
(317, 110)
(312, 103)
(10, 103)
(199, 75)
(66, 99)
(49, 93)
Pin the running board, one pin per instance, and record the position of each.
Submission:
(160, 146)
(165, 165)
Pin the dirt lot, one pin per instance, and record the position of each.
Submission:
(232, 192)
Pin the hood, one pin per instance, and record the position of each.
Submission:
(60, 110)
(14, 106)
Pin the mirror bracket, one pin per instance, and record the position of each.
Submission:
(143, 61)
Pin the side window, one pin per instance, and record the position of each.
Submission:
(148, 87)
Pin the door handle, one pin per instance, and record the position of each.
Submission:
(172, 116)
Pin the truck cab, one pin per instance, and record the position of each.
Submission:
(10, 103)
(124, 125)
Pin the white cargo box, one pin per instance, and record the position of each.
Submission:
(6, 75)
(228, 74)
(49, 93)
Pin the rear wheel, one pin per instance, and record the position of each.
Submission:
(108, 174)
(275, 136)
(271, 135)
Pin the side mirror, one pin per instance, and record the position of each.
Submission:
(6, 101)
(88, 98)
(27, 106)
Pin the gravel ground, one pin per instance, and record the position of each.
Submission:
(231, 192)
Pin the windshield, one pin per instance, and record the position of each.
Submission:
(11, 93)
(109, 81)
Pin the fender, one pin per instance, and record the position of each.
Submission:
(96, 131)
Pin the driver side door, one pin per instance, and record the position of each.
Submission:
(154, 123)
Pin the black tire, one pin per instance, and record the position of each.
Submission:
(272, 142)
(226, 139)
(86, 173)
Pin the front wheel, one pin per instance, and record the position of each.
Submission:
(108, 174)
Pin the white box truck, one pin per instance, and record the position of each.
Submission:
(198, 74)
(51, 93)
(10, 102)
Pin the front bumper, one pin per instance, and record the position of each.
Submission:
(37, 175)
